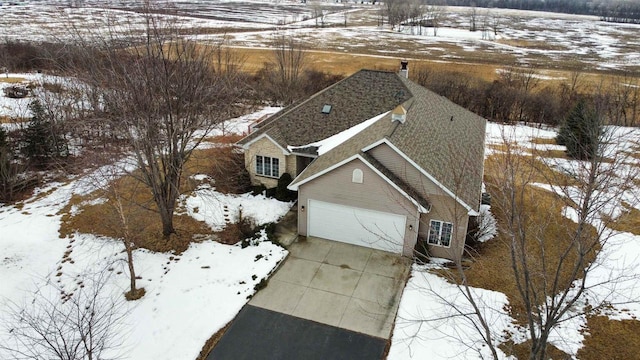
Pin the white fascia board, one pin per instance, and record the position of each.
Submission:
(295, 186)
(470, 210)
(284, 151)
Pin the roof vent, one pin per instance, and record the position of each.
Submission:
(399, 114)
(326, 109)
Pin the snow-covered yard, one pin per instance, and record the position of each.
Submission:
(449, 335)
(189, 296)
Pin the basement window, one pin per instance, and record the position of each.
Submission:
(326, 109)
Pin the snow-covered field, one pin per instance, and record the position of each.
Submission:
(449, 335)
(525, 37)
(189, 296)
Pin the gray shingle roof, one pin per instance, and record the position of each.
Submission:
(446, 140)
(442, 138)
(353, 100)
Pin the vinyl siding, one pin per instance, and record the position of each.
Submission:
(443, 207)
(373, 193)
(446, 209)
(404, 170)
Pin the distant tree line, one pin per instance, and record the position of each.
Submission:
(625, 11)
(519, 95)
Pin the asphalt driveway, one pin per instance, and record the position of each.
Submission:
(258, 334)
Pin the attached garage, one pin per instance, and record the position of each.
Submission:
(358, 226)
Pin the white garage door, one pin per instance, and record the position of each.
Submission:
(375, 229)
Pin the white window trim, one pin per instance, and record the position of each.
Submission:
(264, 158)
(439, 243)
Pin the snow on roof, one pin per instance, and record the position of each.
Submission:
(331, 142)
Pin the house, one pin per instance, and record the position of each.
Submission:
(377, 161)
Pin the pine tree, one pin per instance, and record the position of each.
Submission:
(41, 144)
(581, 132)
(7, 168)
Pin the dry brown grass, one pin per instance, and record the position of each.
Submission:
(547, 141)
(530, 168)
(102, 218)
(521, 351)
(348, 63)
(628, 221)
(97, 213)
(11, 80)
(551, 153)
(212, 342)
(4, 119)
(545, 223)
(610, 339)
(531, 44)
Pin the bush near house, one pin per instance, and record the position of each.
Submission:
(282, 193)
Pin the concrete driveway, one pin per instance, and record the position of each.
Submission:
(337, 284)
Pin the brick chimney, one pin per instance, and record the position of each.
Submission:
(404, 68)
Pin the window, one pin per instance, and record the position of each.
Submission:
(326, 109)
(440, 233)
(267, 166)
(356, 177)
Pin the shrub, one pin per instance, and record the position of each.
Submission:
(282, 193)
(258, 189)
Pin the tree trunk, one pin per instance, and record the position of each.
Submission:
(132, 271)
(166, 215)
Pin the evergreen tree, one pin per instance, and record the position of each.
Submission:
(7, 169)
(581, 132)
(41, 143)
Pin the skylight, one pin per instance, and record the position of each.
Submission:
(326, 109)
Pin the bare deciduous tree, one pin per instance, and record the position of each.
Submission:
(285, 69)
(551, 283)
(161, 97)
(473, 18)
(78, 326)
(554, 263)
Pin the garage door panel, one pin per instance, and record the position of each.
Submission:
(358, 226)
